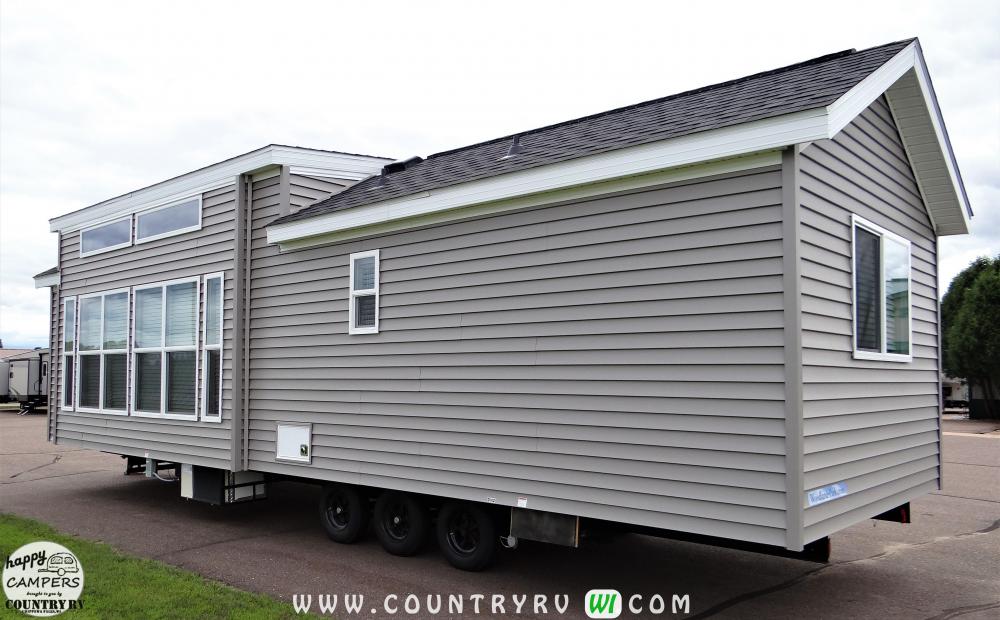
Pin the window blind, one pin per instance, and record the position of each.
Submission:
(147, 381)
(90, 324)
(116, 321)
(213, 307)
(181, 382)
(182, 314)
(148, 318)
(90, 381)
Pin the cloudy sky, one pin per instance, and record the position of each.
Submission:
(97, 99)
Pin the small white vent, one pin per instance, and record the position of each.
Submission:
(294, 443)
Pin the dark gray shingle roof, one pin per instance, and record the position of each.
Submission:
(807, 85)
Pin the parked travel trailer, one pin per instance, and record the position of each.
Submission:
(4, 381)
(5, 371)
(28, 378)
(713, 314)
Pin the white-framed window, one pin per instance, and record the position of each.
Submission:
(68, 352)
(363, 297)
(211, 349)
(102, 353)
(881, 293)
(165, 349)
(168, 220)
(106, 237)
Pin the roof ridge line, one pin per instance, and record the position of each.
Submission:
(745, 78)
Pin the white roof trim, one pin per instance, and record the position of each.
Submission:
(343, 165)
(47, 280)
(935, 168)
(728, 142)
(717, 144)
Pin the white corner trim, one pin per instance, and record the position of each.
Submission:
(216, 176)
(46, 281)
(727, 142)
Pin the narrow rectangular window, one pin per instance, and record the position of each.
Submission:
(363, 303)
(106, 237)
(211, 401)
(867, 287)
(882, 297)
(168, 220)
(68, 352)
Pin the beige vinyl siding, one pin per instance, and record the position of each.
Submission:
(207, 251)
(617, 358)
(871, 424)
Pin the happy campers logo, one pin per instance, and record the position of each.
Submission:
(43, 579)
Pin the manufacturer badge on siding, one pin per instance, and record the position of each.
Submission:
(827, 493)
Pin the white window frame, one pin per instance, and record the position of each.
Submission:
(352, 294)
(205, 347)
(101, 352)
(68, 406)
(110, 248)
(163, 349)
(172, 233)
(883, 355)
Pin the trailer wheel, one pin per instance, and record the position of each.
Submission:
(343, 513)
(401, 523)
(467, 535)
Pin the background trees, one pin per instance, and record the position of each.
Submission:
(970, 337)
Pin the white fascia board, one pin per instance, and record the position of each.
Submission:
(937, 121)
(729, 142)
(852, 103)
(46, 281)
(855, 101)
(352, 167)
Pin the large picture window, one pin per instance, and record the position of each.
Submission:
(211, 399)
(363, 297)
(881, 263)
(102, 352)
(165, 349)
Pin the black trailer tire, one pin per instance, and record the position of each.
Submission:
(467, 535)
(401, 523)
(343, 512)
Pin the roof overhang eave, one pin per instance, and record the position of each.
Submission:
(949, 209)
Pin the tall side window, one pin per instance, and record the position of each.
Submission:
(211, 399)
(363, 286)
(106, 237)
(882, 297)
(165, 349)
(68, 351)
(102, 353)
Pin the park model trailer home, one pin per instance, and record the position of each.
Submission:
(713, 314)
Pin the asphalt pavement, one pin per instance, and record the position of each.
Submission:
(944, 565)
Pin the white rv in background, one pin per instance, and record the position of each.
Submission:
(27, 378)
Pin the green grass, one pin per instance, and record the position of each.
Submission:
(119, 586)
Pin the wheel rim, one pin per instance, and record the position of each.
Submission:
(338, 511)
(396, 522)
(463, 533)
